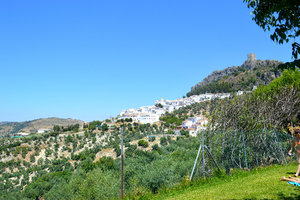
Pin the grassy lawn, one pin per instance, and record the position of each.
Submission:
(258, 184)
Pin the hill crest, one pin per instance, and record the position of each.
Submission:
(251, 73)
(7, 128)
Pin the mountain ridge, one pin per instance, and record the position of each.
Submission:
(7, 128)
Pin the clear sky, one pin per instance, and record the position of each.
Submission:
(90, 59)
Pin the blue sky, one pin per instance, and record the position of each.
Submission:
(90, 59)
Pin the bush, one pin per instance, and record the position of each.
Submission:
(152, 139)
(143, 143)
(117, 150)
(99, 185)
(42, 185)
(48, 152)
(130, 150)
(163, 141)
(155, 147)
(26, 164)
(105, 163)
(40, 161)
(32, 158)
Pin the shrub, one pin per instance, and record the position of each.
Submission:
(117, 150)
(48, 152)
(163, 141)
(32, 158)
(155, 147)
(40, 161)
(105, 163)
(143, 143)
(152, 139)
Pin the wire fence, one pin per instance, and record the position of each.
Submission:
(243, 149)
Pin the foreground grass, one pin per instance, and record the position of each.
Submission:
(262, 183)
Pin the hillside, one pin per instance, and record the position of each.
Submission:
(25, 161)
(50, 165)
(232, 79)
(7, 128)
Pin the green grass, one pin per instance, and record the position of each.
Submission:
(262, 183)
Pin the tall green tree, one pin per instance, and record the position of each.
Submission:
(282, 16)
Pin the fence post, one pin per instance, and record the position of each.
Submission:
(245, 153)
(212, 158)
(195, 162)
(203, 159)
(276, 140)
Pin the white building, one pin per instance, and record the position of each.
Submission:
(193, 132)
(22, 134)
(187, 124)
(240, 93)
(132, 116)
(43, 130)
(197, 123)
(147, 118)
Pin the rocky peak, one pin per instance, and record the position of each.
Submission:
(249, 64)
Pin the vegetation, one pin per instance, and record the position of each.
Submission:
(124, 120)
(26, 160)
(94, 124)
(74, 128)
(271, 106)
(240, 78)
(215, 87)
(143, 143)
(167, 165)
(284, 18)
(175, 119)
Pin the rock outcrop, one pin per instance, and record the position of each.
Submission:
(250, 65)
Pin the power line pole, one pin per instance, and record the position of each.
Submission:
(122, 159)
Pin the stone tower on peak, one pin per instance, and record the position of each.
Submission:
(250, 62)
(251, 57)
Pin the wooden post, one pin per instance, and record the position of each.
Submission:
(122, 160)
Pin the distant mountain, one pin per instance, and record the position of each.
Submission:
(7, 128)
(232, 79)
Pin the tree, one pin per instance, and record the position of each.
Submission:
(56, 128)
(159, 105)
(75, 128)
(94, 124)
(163, 141)
(155, 147)
(32, 158)
(108, 121)
(104, 127)
(284, 17)
(271, 106)
(143, 143)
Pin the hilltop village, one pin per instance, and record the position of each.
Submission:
(152, 114)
